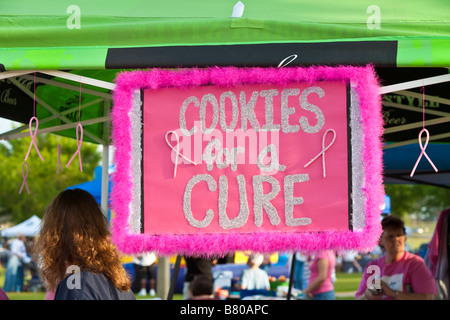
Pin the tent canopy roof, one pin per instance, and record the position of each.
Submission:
(28, 228)
(139, 34)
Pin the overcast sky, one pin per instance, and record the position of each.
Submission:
(5, 125)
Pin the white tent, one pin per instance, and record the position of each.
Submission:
(29, 228)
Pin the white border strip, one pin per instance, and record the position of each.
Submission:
(414, 84)
(78, 78)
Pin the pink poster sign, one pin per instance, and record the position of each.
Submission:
(219, 159)
(210, 161)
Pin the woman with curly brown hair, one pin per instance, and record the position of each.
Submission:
(77, 257)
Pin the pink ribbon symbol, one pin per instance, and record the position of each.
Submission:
(33, 137)
(323, 151)
(59, 164)
(24, 175)
(79, 142)
(177, 151)
(423, 151)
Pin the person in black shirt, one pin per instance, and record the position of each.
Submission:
(77, 257)
(197, 266)
(92, 286)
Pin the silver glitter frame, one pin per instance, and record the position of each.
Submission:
(357, 217)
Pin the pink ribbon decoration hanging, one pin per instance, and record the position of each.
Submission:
(322, 153)
(422, 148)
(79, 138)
(33, 138)
(79, 142)
(177, 151)
(24, 175)
(33, 141)
(423, 153)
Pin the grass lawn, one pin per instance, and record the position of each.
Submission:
(347, 282)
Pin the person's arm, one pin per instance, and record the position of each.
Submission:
(18, 249)
(398, 295)
(243, 280)
(368, 295)
(357, 265)
(363, 292)
(322, 265)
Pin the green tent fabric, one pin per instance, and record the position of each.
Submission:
(58, 104)
(64, 35)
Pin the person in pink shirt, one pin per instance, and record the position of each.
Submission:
(398, 274)
(320, 285)
(3, 295)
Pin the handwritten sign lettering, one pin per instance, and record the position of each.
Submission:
(250, 144)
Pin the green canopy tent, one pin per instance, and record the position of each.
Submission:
(138, 34)
(65, 48)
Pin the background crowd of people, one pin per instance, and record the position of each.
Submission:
(389, 272)
(15, 258)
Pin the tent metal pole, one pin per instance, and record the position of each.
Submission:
(415, 109)
(78, 78)
(42, 121)
(420, 96)
(105, 160)
(14, 73)
(105, 179)
(67, 86)
(406, 142)
(415, 125)
(414, 84)
(291, 276)
(418, 181)
(87, 104)
(173, 283)
(8, 136)
(51, 110)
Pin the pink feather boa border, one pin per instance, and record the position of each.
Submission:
(221, 244)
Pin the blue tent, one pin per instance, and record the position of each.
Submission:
(94, 187)
(387, 205)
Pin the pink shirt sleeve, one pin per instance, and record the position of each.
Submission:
(415, 274)
(363, 284)
(422, 281)
(3, 295)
